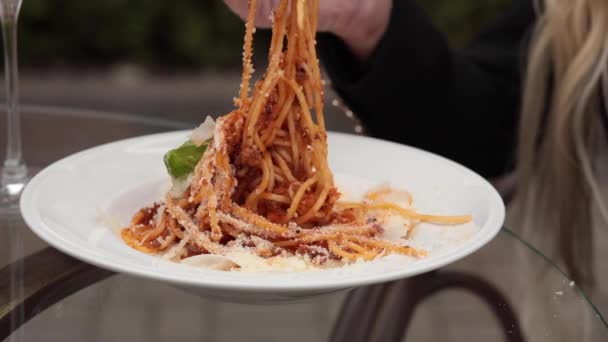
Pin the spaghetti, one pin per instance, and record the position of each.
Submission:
(264, 182)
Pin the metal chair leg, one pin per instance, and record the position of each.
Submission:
(495, 300)
(370, 313)
(384, 312)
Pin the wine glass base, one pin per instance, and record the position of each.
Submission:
(11, 189)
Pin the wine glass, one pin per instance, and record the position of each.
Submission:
(14, 173)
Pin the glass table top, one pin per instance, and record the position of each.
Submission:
(506, 291)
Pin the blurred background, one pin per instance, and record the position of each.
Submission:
(168, 59)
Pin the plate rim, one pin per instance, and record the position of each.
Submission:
(496, 217)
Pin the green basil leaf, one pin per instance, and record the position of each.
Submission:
(180, 162)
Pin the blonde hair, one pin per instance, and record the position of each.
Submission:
(566, 84)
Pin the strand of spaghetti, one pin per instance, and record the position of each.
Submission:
(308, 239)
(410, 228)
(367, 254)
(270, 168)
(318, 94)
(301, 14)
(201, 214)
(282, 94)
(243, 225)
(175, 229)
(315, 97)
(136, 219)
(285, 107)
(407, 213)
(385, 191)
(406, 250)
(272, 77)
(445, 220)
(203, 173)
(281, 133)
(285, 155)
(320, 161)
(291, 47)
(279, 178)
(277, 170)
(139, 230)
(315, 208)
(278, 28)
(276, 198)
(355, 247)
(308, 93)
(283, 166)
(158, 229)
(229, 228)
(306, 162)
(258, 142)
(302, 35)
(167, 241)
(292, 137)
(258, 220)
(178, 250)
(279, 142)
(339, 252)
(249, 133)
(351, 205)
(298, 197)
(276, 49)
(306, 115)
(184, 202)
(366, 230)
(312, 129)
(304, 56)
(315, 15)
(301, 146)
(448, 220)
(226, 179)
(251, 201)
(216, 231)
(131, 241)
(247, 52)
(288, 243)
(312, 50)
(198, 237)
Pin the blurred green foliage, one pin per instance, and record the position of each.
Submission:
(462, 19)
(174, 33)
(151, 32)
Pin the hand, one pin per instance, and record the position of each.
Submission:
(360, 23)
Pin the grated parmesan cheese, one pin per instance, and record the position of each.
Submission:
(179, 186)
(203, 132)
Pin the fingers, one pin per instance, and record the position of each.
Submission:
(333, 14)
(238, 6)
(338, 15)
(263, 12)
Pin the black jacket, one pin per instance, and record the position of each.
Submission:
(416, 90)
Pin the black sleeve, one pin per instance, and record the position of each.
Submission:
(416, 90)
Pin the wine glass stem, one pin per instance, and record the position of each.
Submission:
(14, 167)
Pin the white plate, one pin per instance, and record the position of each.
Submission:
(71, 204)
